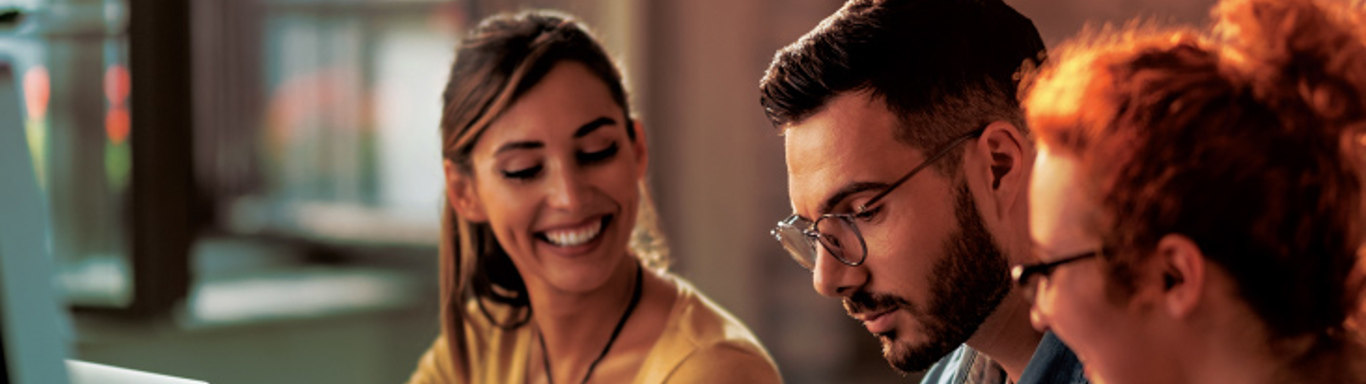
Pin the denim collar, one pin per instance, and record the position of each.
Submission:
(1053, 363)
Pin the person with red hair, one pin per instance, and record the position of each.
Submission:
(1196, 201)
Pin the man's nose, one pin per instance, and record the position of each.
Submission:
(834, 278)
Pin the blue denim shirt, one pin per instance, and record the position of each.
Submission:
(1053, 363)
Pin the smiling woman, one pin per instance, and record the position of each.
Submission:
(551, 269)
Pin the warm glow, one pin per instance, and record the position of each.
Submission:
(116, 85)
(1058, 94)
(36, 92)
(117, 124)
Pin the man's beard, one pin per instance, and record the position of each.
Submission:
(967, 284)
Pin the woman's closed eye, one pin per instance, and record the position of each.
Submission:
(598, 156)
(583, 158)
(522, 173)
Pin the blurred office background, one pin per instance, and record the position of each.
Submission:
(246, 191)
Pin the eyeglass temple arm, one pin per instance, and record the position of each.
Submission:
(940, 153)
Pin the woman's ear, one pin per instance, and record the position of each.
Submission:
(1181, 268)
(641, 149)
(460, 192)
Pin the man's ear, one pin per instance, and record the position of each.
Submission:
(1005, 149)
(460, 193)
(641, 149)
(1181, 270)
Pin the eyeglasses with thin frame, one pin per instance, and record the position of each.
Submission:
(837, 232)
(1028, 277)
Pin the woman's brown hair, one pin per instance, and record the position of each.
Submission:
(494, 65)
(1246, 139)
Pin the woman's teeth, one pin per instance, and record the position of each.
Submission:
(575, 236)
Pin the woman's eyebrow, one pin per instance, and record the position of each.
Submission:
(582, 131)
(519, 145)
(591, 126)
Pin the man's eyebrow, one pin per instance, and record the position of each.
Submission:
(845, 192)
(591, 126)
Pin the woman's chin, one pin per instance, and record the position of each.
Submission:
(574, 282)
(583, 274)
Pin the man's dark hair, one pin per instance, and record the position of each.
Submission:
(943, 66)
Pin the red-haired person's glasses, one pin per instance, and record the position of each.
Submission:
(1029, 277)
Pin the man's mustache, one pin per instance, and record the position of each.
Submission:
(866, 302)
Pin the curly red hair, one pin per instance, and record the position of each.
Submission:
(1245, 140)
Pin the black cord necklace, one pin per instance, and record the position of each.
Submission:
(630, 307)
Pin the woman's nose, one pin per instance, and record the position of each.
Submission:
(1038, 310)
(568, 189)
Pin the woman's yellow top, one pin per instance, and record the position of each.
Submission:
(701, 343)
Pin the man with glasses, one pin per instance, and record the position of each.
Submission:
(908, 163)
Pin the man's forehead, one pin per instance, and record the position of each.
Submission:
(811, 175)
(849, 141)
(850, 120)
